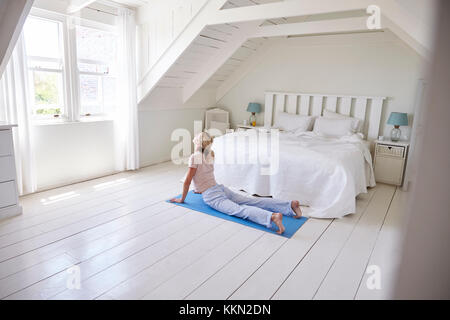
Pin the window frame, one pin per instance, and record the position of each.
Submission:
(70, 71)
(105, 28)
(64, 70)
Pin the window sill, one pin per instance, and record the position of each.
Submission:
(54, 122)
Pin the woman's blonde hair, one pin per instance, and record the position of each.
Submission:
(203, 142)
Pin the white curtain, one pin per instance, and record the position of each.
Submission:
(15, 109)
(126, 120)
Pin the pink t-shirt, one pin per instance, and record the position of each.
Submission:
(204, 176)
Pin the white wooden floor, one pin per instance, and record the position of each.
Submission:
(130, 244)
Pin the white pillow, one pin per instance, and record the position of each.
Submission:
(292, 122)
(333, 127)
(356, 125)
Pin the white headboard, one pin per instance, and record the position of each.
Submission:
(364, 108)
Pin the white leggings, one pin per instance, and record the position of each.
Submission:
(255, 209)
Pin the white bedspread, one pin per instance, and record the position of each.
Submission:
(325, 174)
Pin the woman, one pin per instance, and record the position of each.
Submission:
(260, 210)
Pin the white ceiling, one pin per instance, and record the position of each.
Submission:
(245, 3)
(132, 3)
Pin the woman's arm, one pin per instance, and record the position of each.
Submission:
(186, 184)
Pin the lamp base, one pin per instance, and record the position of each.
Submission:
(252, 119)
(396, 133)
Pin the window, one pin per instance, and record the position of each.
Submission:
(96, 52)
(72, 71)
(43, 41)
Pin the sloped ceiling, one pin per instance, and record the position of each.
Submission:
(12, 17)
(195, 69)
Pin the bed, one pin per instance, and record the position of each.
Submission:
(324, 173)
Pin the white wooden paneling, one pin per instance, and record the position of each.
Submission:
(291, 104)
(199, 49)
(268, 110)
(280, 100)
(341, 104)
(278, 10)
(317, 106)
(251, 45)
(304, 105)
(239, 3)
(375, 113)
(360, 108)
(238, 73)
(242, 53)
(163, 24)
(227, 49)
(331, 103)
(208, 42)
(215, 34)
(276, 28)
(225, 28)
(345, 106)
(166, 45)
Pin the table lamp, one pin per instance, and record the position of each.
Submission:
(397, 119)
(254, 108)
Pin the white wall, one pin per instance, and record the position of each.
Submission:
(422, 10)
(155, 130)
(162, 113)
(71, 152)
(372, 64)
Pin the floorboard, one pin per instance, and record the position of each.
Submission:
(387, 251)
(227, 280)
(263, 283)
(125, 269)
(306, 278)
(344, 276)
(181, 284)
(131, 244)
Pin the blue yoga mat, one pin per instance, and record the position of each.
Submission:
(195, 202)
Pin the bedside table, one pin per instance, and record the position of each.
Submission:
(247, 127)
(390, 161)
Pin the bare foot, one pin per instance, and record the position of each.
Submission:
(296, 207)
(277, 218)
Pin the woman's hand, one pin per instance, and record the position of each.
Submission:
(176, 200)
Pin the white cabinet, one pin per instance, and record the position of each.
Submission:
(7, 168)
(9, 197)
(8, 194)
(390, 162)
(6, 143)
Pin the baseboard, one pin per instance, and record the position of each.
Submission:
(9, 212)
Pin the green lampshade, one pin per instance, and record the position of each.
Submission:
(254, 107)
(398, 119)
